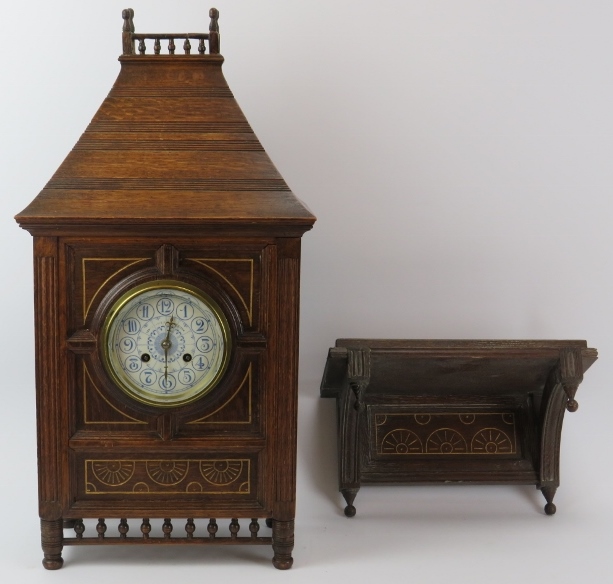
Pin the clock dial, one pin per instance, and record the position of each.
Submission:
(166, 343)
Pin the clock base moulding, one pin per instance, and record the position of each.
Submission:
(194, 532)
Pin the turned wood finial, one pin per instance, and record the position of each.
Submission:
(214, 14)
(127, 30)
(128, 22)
(214, 32)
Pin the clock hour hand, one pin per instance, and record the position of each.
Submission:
(166, 345)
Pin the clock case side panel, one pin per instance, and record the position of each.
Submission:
(284, 380)
(51, 394)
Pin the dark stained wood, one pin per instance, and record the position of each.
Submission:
(168, 181)
(431, 411)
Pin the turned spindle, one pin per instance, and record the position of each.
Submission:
(123, 528)
(234, 528)
(254, 527)
(101, 528)
(167, 528)
(145, 528)
(190, 527)
(212, 528)
(79, 528)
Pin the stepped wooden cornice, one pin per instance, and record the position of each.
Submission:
(169, 141)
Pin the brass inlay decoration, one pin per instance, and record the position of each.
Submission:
(167, 472)
(248, 304)
(401, 441)
(221, 472)
(491, 441)
(222, 476)
(446, 441)
(453, 433)
(86, 377)
(113, 472)
(246, 379)
(86, 305)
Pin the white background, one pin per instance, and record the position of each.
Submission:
(457, 154)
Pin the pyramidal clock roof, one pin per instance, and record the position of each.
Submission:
(168, 146)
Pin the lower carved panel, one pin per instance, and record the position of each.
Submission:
(212, 476)
(407, 434)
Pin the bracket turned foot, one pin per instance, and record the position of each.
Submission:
(349, 495)
(549, 494)
(282, 544)
(52, 540)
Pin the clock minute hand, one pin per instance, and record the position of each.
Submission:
(166, 345)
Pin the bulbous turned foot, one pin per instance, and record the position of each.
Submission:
(282, 564)
(349, 496)
(53, 563)
(52, 540)
(572, 405)
(282, 544)
(549, 493)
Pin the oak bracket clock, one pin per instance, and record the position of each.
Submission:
(445, 411)
(167, 263)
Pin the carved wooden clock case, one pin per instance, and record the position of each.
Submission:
(166, 262)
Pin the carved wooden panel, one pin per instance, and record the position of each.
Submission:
(170, 476)
(445, 434)
(236, 404)
(93, 271)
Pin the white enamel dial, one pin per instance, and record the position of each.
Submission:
(166, 343)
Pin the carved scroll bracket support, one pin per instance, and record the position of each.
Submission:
(352, 409)
(571, 375)
(559, 395)
(358, 373)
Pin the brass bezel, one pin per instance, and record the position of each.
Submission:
(133, 390)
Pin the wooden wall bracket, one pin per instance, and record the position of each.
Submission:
(413, 411)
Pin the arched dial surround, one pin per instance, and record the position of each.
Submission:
(165, 343)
